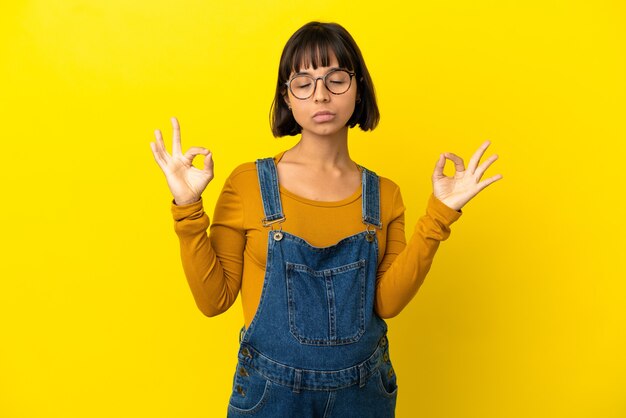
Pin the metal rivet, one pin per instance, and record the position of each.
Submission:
(369, 237)
(390, 373)
(278, 236)
(383, 341)
(241, 391)
(386, 356)
(243, 372)
(245, 352)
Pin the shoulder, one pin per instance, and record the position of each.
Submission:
(243, 177)
(243, 169)
(388, 185)
(390, 193)
(246, 173)
(388, 188)
(391, 202)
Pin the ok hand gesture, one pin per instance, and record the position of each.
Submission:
(456, 191)
(184, 180)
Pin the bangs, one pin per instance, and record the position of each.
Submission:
(318, 54)
(314, 48)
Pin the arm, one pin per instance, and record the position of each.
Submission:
(212, 266)
(403, 268)
(212, 263)
(405, 265)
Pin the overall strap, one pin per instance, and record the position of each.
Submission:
(371, 198)
(270, 193)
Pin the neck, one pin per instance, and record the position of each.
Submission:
(323, 151)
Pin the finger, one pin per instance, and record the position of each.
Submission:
(477, 156)
(160, 146)
(441, 162)
(176, 147)
(158, 137)
(193, 151)
(458, 161)
(489, 181)
(484, 166)
(157, 156)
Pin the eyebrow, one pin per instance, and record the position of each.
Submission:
(308, 73)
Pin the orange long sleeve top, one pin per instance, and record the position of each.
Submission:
(231, 257)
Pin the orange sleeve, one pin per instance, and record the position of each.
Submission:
(214, 282)
(404, 266)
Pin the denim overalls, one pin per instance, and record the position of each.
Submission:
(315, 347)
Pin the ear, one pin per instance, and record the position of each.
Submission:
(286, 98)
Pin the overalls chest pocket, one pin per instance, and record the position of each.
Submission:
(326, 307)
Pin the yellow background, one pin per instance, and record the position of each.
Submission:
(523, 313)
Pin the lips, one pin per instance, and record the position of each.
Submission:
(323, 116)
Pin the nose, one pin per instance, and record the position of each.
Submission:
(321, 94)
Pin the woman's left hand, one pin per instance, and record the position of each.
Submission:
(456, 191)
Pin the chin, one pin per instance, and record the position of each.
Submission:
(326, 129)
(325, 132)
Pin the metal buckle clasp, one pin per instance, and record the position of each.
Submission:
(277, 234)
(371, 233)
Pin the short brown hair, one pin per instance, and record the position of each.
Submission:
(310, 46)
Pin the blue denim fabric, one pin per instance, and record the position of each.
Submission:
(315, 347)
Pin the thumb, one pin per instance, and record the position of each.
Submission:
(208, 162)
(441, 162)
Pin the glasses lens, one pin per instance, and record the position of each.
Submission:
(302, 86)
(338, 82)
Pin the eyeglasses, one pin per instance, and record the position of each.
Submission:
(303, 86)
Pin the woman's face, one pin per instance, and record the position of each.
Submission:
(324, 113)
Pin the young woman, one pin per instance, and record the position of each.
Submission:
(314, 242)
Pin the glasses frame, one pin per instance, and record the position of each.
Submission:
(323, 78)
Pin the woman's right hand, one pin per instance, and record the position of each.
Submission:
(184, 180)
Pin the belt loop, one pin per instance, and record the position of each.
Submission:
(297, 380)
(361, 368)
